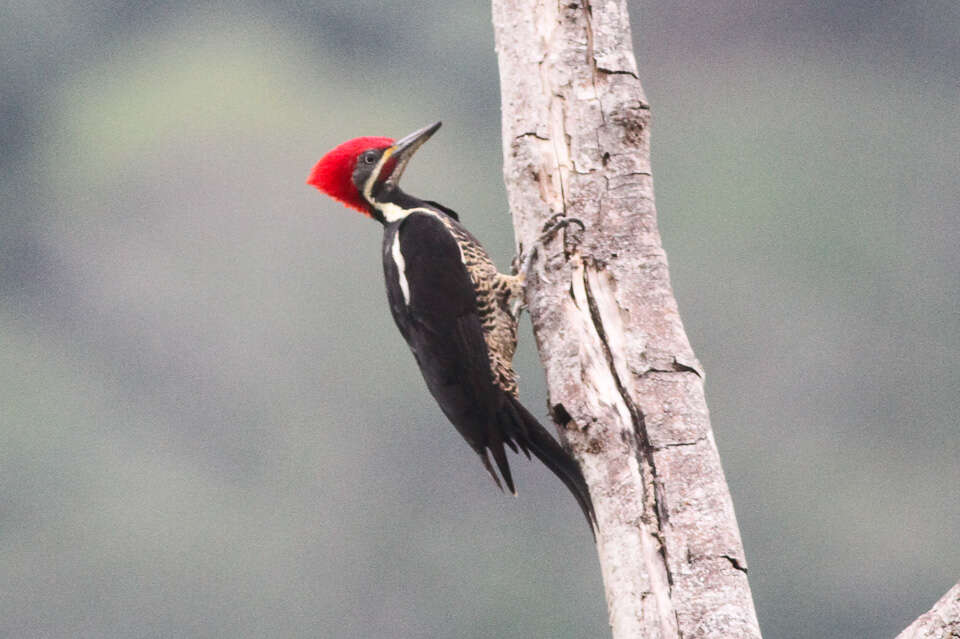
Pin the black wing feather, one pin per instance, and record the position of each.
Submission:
(443, 209)
(441, 324)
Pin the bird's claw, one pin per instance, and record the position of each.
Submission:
(556, 222)
(517, 262)
(522, 262)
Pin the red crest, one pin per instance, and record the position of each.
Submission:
(333, 174)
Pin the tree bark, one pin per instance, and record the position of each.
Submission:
(624, 384)
(940, 622)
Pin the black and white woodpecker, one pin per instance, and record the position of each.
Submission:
(456, 311)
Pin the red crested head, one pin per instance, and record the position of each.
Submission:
(333, 174)
(371, 165)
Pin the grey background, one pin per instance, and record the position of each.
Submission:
(210, 428)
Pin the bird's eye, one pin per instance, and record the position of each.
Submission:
(369, 157)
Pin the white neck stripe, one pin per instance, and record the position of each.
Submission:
(394, 212)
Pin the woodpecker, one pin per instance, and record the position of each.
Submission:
(457, 313)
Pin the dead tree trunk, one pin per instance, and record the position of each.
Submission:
(940, 622)
(624, 384)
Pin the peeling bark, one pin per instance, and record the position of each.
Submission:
(940, 622)
(624, 384)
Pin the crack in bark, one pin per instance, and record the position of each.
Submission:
(531, 134)
(566, 141)
(680, 367)
(591, 57)
(617, 72)
(736, 563)
(610, 189)
(677, 368)
(636, 414)
(698, 440)
(592, 60)
(643, 449)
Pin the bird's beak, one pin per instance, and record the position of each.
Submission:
(403, 150)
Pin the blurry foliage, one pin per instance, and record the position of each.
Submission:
(209, 427)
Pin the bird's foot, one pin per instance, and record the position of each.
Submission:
(524, 261)
(556, 222)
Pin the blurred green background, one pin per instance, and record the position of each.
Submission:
(209, 426)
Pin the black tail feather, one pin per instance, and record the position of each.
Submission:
(500, 456)
(486, 464)
(519, 433)
(529, 434)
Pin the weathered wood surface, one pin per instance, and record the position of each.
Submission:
(940, 622)
(623, 381)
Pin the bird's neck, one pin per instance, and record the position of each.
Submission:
(393, 206)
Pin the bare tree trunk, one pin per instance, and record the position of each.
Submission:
(623, 381)
(940, 622)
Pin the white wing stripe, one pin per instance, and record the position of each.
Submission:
(401, 268)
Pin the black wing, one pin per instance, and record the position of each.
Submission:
(444, 209)
(438, 317)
